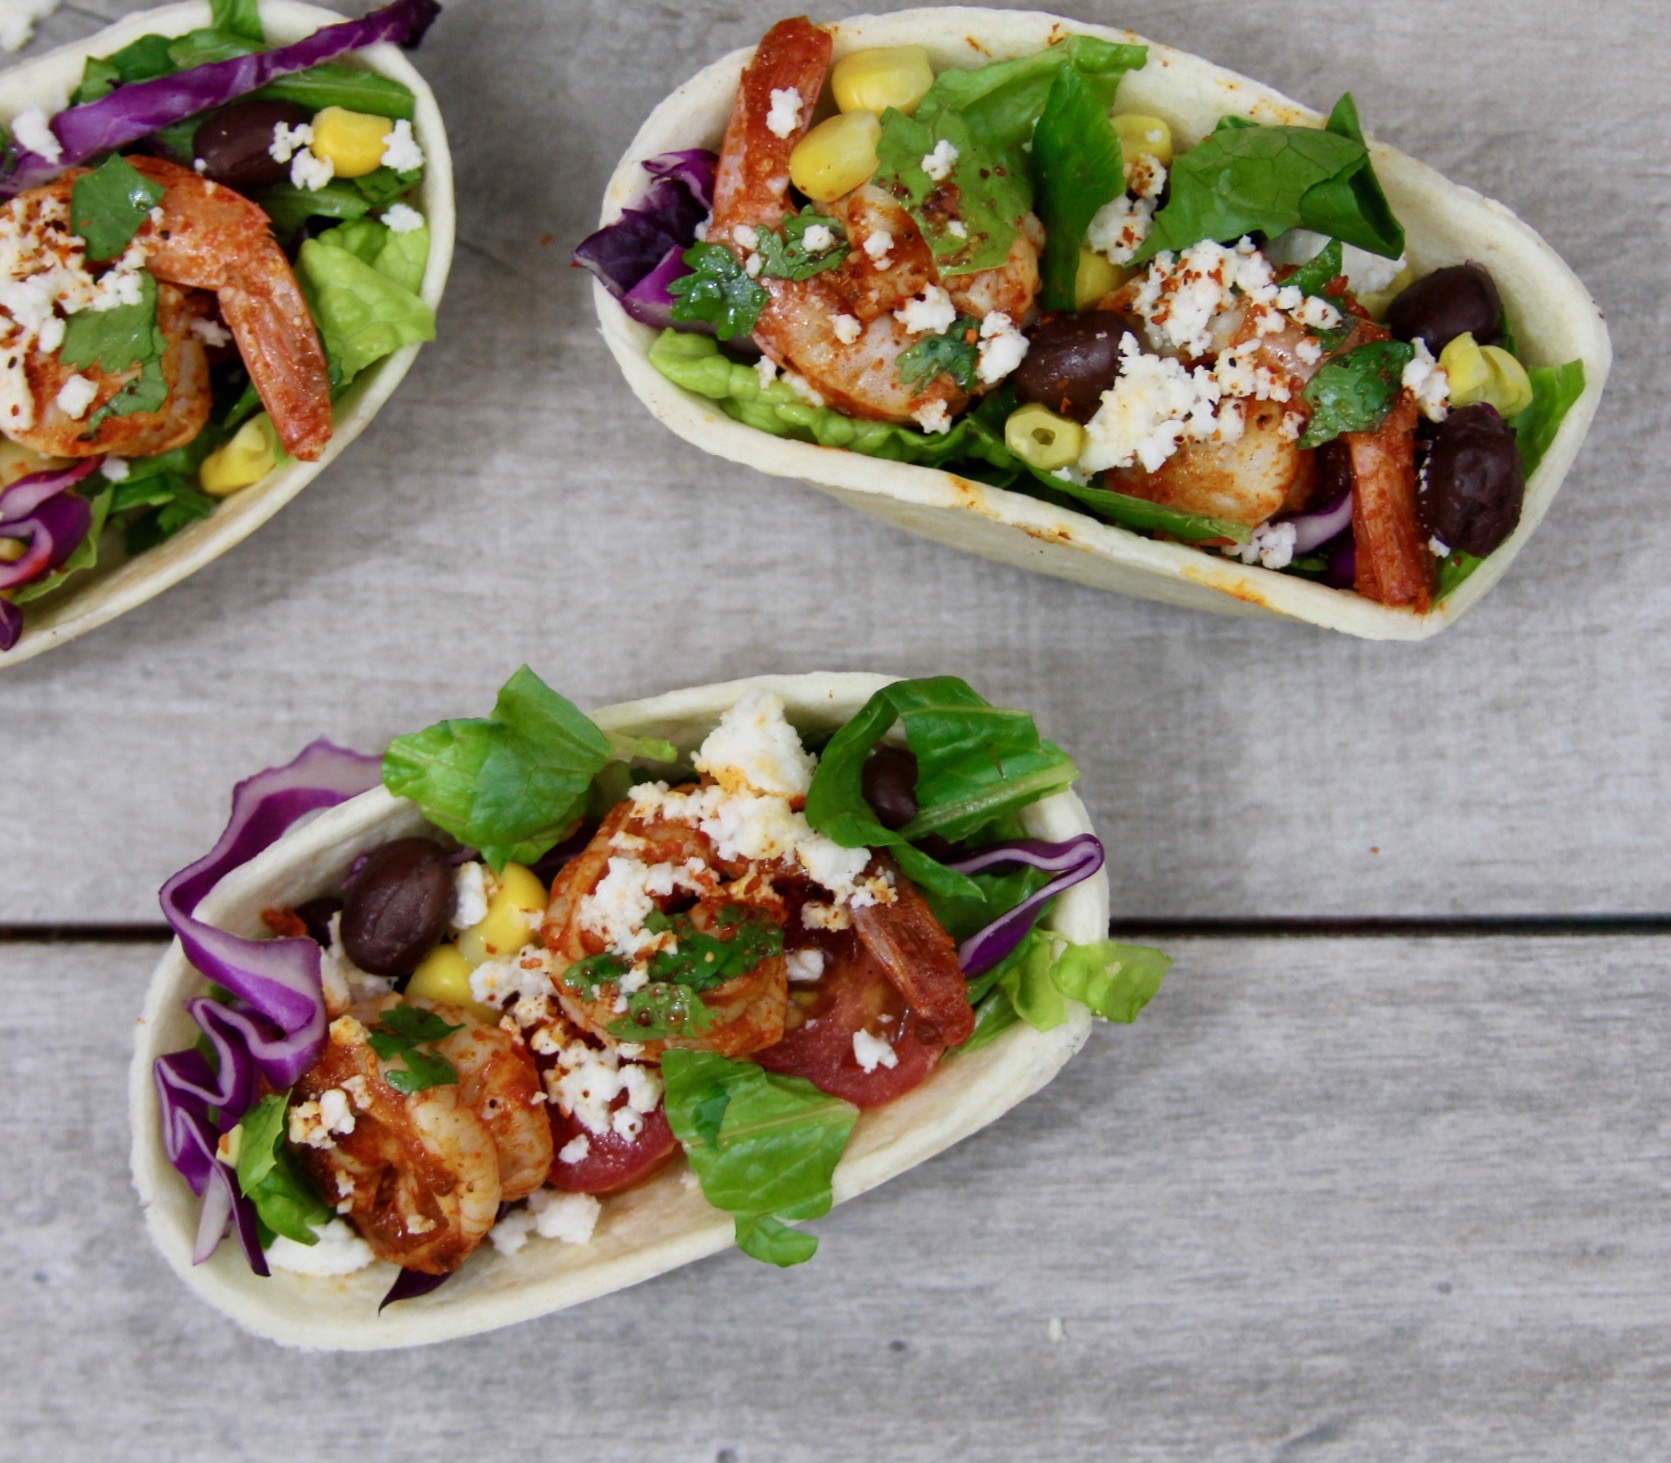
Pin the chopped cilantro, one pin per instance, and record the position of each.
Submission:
(1354, 392)
(953, 353)
(786, 255)
(663, 1010)
(114, 340)
(109, 205)
(718, 292)
(399, 1034)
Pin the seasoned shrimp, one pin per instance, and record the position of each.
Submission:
(798, 328)
(749, 1009)
(1394, 566)
(202, 237)
(422, 1175)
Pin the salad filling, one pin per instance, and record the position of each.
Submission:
(200, 249)
(1003, 272)
(600, 958)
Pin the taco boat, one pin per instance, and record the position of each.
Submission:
(1094, 306)
(224, 231)
(448, 1035)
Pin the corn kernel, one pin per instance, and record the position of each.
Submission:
(17, 462)
(504, 929)
(889, 76)
(444, 975)
(245, 460)
(1142, 135)
(1469, 371)
(352, 142)
(1510, 390)
(1038, 436)
(1095, 278)
(12, 549)
(837, 156)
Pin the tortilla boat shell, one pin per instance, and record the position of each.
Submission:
(92, 599)
(1554, 316)
(649, 1229)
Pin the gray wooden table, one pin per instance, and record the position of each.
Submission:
(1360, 1196)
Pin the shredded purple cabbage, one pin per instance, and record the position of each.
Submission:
(41, 511)
(410, 1284)
(1313, 530)
(1072, 861)
(137, 110)
(642, 252)
(275, 1026)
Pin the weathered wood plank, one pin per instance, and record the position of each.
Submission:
(513, 504)
(1333, 1199)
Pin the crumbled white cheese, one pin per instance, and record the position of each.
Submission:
(803, 388)
(785, 114)
(755, 748)
(701, 230)
(819, 239)
(400, 149)
(752, 266)
(1155, 402)
(1145, 175)
(212, 333)
(877, 247)
(1120, 228)
(765, 370)
(1316, 313)
(469, 895)
(17, 21)
(957, 228)
(1426, 380)
(626, 896)
(1438, 547)
(939, 163)
(288, 141)
(1309, 352)
(311, 172)
(847, 328)
(932, 313)
(34, 132)
(747, 236)
(932, 416)
(524, 979)
(568, 1217)
(871, 1052)
(339, 1251)
(510, 1234)
(315, 1123)
(1003, 347)
(402, 218)
(587, 1081)
(76, 396)
(1272, 546)
(807, 965)
(576, 1150)
(116, 469)
(816, 916)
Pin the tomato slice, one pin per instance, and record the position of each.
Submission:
(854, 995)
(612, 1163)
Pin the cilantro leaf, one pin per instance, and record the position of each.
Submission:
(741, 939)
(398, 1034)
(1354, 392)
(268, 1178)
(954, 352)
(1078, 168)
(115, 340)
(511, 784)
(109, 205)
(1320, 271)
(661, 1011)
(718, 292)
(148, 391)
(763, 1146)
(786, 255)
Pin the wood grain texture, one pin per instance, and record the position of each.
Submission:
(512, 504)
(1327, 1199)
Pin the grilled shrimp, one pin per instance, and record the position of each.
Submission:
(207, 238)
(422, 1175)
(1394, 564)
(798, 327)
(748, 1009)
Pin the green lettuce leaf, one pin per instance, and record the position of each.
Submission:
(762, 1145)
(400, 257)
(976, 764)
(290, 207)
(1078, 168)
(512, 784)
(363, 314)
(284, 1202)
(1116, 981)
(1037, 979)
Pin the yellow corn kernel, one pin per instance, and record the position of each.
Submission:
(352, 142)
(1140, 134)
(444, 975)
(1469, 371)
(1095, 278)
(888, 76)
(837, 156)
(12, 549)
(1510, 390)
(504, 929)
(245, 460)
(19, 462)
(1038, 436)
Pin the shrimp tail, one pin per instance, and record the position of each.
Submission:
(280, 345)
(1394, 565)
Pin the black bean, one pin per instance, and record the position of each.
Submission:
(398, 906)
(1071, 360)
(1460, 300)
(235, 144)
(316, 914)
(1475, 486)
(889, 782)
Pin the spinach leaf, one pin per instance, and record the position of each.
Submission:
(1146, 517)
(954, 352)
(763, 1146)
(399, 1034)
(268, 1178)
(1354, 392)
(109, 205)
(115, 340)
(334, 84)
(511, 784)
(994, 1015)
(290, 207)
(1077, 167)
(976, 763)
(786, 255)
(1249, 179)
(142, 60)
(718, 292)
